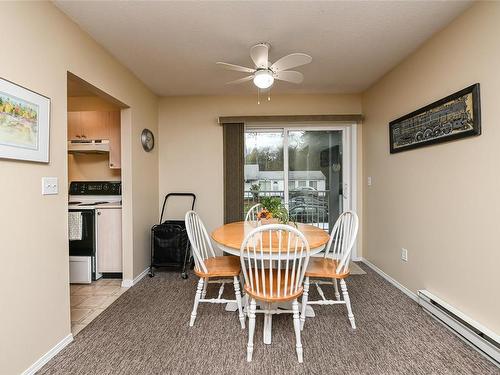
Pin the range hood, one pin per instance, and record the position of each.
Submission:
(89, 146)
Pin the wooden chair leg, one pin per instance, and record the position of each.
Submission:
(336, 286)
(305, 297)
(238, 301)
(204, 293)
(196, 301)
(296, 326)
(251, 329)
(350, 315)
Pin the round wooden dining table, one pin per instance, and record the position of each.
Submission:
(229, 238)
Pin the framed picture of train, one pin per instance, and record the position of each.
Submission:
(456, 116)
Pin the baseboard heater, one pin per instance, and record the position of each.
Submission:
(484, 340)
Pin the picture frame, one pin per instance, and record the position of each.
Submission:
(454, 117)
(24, 123)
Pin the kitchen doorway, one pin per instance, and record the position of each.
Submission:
(95, 215)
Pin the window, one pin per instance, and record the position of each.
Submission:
(306, 161)
(265, 185)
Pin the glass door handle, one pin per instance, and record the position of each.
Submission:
(345, 191)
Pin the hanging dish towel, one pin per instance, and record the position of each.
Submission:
(75, 226)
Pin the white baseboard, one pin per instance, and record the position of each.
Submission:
(49, 355)
(127, 283)
(401, 287)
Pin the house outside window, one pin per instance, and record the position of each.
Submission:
(265, 185)
(302, 183)
(313, 184)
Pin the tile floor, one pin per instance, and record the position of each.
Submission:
(89, 300)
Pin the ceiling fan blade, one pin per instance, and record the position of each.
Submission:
(241, 80)
(291, 61)
(238, 68)
(260, 55)
(290, 76)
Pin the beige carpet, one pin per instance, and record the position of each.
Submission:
(146, 331)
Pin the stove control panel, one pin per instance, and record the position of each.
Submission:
(95, 188)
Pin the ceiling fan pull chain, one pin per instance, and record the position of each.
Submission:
(269, 95)
(258, 95)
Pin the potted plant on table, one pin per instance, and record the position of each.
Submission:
(273, 211)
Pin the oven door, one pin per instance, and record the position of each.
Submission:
(85, 246)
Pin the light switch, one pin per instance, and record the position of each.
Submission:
(369, 181)
(49, 186)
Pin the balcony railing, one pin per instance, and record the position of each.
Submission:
(304, 206)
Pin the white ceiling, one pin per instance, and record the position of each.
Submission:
(173, 46)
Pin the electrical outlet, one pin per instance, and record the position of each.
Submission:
(404, 254)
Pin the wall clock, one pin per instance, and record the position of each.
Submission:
(147, 140)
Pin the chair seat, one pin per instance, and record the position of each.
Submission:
(223, 266)
(274, 296)
(324, 267)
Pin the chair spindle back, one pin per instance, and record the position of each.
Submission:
(272, 254)
(200, 241)
(342, 239)
(252, 214)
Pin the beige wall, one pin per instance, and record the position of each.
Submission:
(34, 277)
(441, 202)
(191, 139)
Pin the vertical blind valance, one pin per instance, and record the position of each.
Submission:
(234, 164)
(227, 120)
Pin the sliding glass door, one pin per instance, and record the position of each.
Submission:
(307, 168)
(315, 176)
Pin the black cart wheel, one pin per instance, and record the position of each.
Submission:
(151, 273)
(184, 275)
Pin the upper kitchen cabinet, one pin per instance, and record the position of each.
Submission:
(88, 125)
(74, 125)
(114, 130)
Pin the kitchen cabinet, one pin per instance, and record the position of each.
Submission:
(109, 240)
(88, 125)
(114, 132)
(98, 125)
(74, 125)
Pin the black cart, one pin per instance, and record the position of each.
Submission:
(170, 246)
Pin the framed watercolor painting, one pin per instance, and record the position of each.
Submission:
(456, 116)
(24, 123)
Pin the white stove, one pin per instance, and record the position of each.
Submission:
(84, 198)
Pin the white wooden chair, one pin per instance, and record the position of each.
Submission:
(253, 212)
(274, 258)
(208, 266)
(334, 266)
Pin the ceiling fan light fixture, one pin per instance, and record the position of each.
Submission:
(263, 79)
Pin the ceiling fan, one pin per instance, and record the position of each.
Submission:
(264, 73)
